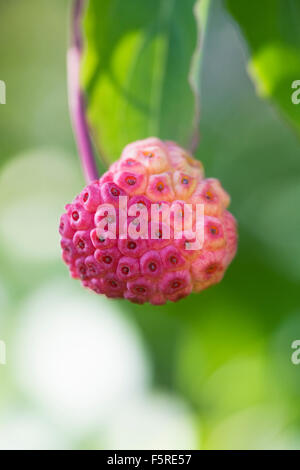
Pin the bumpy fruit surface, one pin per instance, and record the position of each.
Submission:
(148, 270)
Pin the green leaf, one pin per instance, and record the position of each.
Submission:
(201, 11)
(271, 28)
(136, 71)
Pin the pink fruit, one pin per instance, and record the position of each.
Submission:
(155, 269)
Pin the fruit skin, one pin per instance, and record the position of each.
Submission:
(151, 270)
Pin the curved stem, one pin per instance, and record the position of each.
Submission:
(76, 97)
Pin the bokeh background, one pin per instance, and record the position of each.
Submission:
(213, 371)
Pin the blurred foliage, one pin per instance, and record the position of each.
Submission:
(136, 69)
(272, 31)
(33, 67)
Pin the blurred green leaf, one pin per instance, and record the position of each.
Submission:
(201, 10)
(266, 214)
(225, 329)
(255, 428)
(136, 69)
(272, 31)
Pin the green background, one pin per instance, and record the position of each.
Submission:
(225, 353)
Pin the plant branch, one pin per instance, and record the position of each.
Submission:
(76, 97)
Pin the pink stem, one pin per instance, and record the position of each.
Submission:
(76, 98)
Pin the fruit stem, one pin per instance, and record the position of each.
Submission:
(76, 97)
